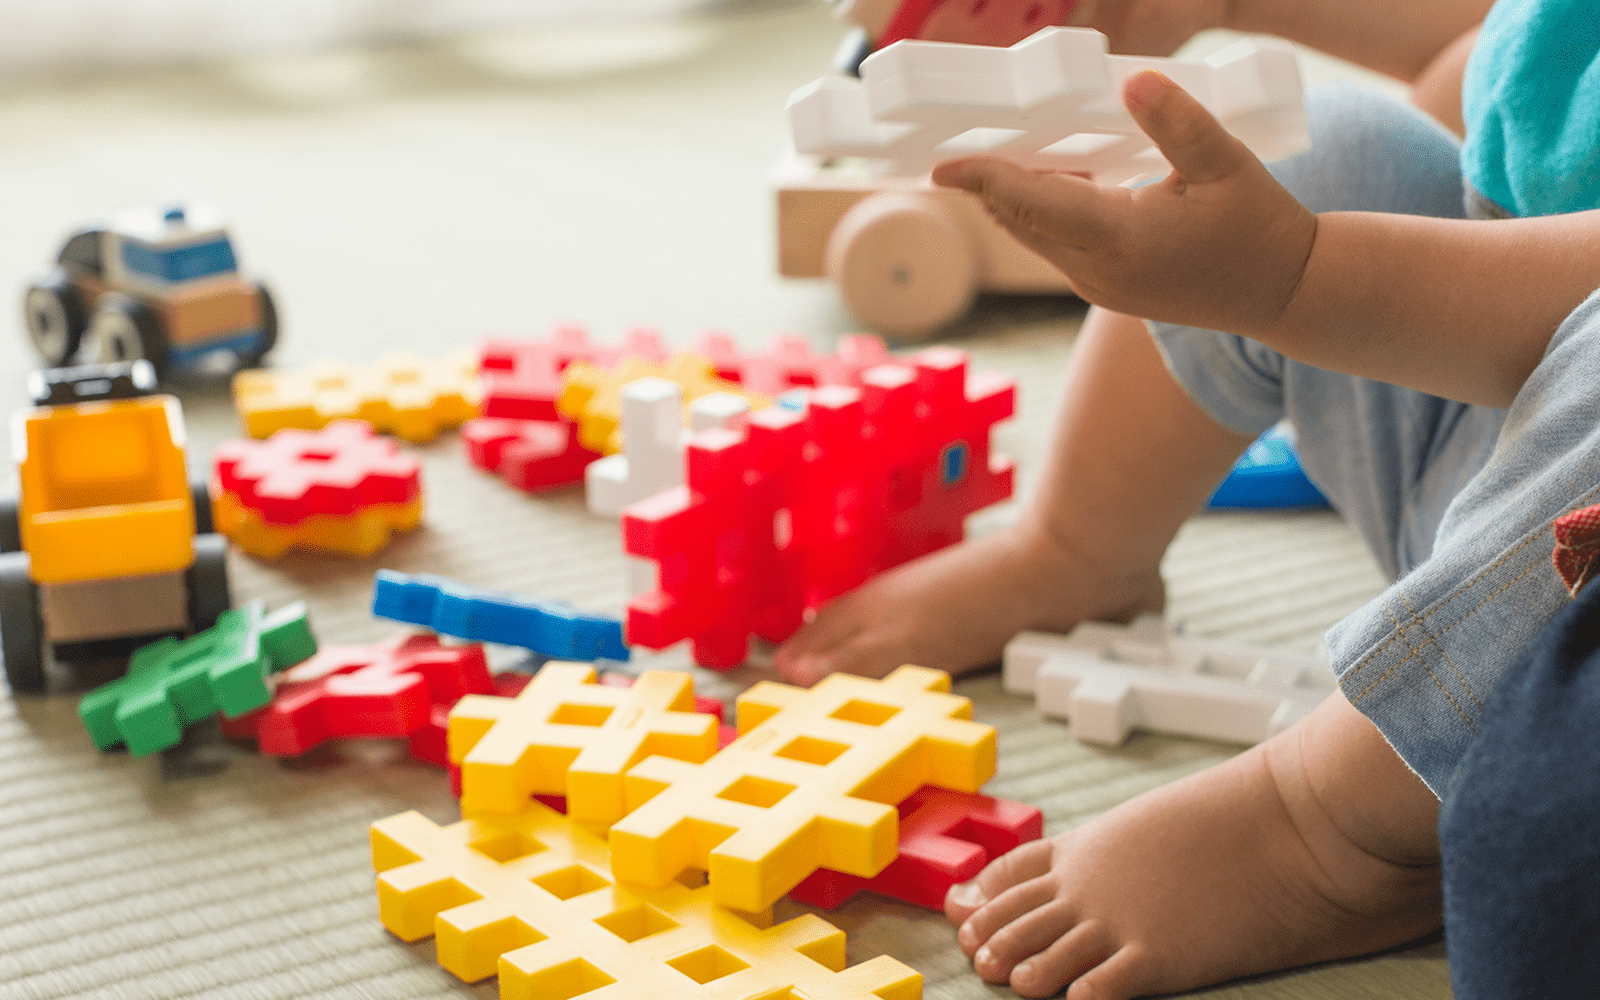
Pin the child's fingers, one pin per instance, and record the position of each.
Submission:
(1196, 145)
(1062, 208)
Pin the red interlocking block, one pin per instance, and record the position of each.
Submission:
(790, 363)
(385, 690)
(338, 471)
(796, 509)
(531, 455)
(945, 838)
(522, 378)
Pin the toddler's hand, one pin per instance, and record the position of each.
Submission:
(1218, 243)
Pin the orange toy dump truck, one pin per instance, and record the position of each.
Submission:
(101, 545)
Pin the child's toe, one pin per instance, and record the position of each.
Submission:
(1023, 939)
(1122, 976)
(1012, 904)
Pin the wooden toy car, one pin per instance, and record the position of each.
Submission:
(907, 257)
(159, 285)
(101, 547)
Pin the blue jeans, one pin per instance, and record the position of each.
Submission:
(1520, 826)
(1455, 501)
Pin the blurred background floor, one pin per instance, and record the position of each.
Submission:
(419, 196)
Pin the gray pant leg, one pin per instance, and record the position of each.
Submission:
(1388, 458)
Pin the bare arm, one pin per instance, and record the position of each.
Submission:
(1438, 89)
(1399, 39)
(1455, 308)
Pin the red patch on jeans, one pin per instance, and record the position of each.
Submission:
(1577, 552)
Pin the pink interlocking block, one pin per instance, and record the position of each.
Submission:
(796, 509)
(946, 838)
(531, 455)
(389, 689)
(337, 471)
(790, 363)
(522, 378)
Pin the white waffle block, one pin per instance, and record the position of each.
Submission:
(653, 438)
(1052, 101)
(1109, 679)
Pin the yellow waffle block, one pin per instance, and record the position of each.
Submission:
(358, 534)
(567, 735)
(531, 897)
(591, 395)
(401, 395)
(811, 782)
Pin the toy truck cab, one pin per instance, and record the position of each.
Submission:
(162, 286)
(101, 543)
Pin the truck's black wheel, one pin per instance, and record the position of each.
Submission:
(125, 329)
(10, 526)
(55, 316)
(21, 630)
(207, 579)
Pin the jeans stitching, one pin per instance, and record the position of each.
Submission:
(1401, 662)
(1582, 501)
(1425, 666)
(1434, 640)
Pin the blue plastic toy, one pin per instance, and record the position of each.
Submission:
(1268, 474)
(549, 628)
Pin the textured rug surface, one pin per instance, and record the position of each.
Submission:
(418, 198)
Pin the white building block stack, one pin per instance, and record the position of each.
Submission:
(1110, 679)
(653, 438)
(1053, 101)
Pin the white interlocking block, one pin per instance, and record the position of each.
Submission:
(1110, 679)
(1053, 100)
(653, 439)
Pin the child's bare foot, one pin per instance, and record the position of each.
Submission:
(956, 608)
(1316, 845)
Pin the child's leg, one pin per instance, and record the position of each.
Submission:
(1315, 845)
(1132, 456)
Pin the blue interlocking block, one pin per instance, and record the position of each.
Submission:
(549, 628)
(1268, 474)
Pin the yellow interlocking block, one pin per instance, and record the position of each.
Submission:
(400, 395)
(358, 534)
(531, 897)
(811, 782)
(591, 395)
(567, 735)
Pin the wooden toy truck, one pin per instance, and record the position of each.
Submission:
(162, 286)
(907, 257)
(101, 546)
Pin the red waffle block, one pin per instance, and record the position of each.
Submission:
(793, 510)
(946, 838)
(389, 689)
(521, 379)
(337, 471)
(531, 455)
(789, 362)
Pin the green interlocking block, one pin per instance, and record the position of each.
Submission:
(174, 683)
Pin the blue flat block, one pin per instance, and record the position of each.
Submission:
(1268, 474)
(549, 628)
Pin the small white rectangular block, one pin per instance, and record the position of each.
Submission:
(1109, 679)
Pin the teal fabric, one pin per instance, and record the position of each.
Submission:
(1531, 99)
